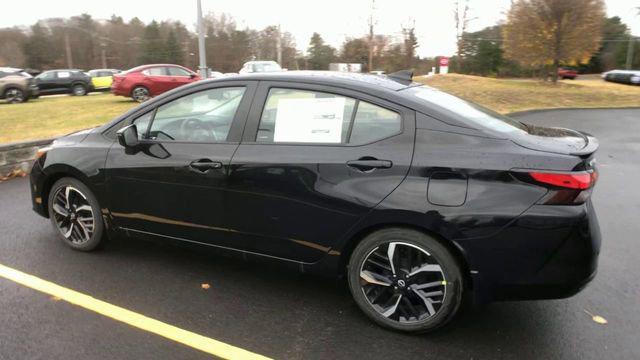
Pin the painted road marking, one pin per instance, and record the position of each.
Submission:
(196, 341)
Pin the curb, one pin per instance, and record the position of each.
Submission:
(18, 157)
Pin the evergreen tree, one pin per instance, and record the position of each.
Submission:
(153, 48)
(174, 53)
(320, 55)
(37, 48)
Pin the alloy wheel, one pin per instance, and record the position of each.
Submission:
(140, 94)
(14, 96)
(73, 215)
(403, 282)
(79, 90)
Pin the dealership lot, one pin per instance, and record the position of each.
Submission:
(276, 313)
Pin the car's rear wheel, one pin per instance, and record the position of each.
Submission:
(140, 94)
(405, 280)
(79, 90)
(75, 214)
(14, 96)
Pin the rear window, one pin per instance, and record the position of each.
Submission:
(474, 113)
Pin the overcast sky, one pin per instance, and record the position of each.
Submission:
(333, 19)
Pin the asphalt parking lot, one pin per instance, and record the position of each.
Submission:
(285, 315)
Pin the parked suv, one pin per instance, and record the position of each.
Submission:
(16, 86)
(74, 82)
(143, 82)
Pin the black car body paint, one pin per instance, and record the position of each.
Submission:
(303, 204)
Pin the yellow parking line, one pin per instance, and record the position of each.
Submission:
(132, 318)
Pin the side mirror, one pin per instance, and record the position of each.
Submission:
(128, 136)
(192, 76)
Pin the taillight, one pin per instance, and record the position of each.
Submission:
(574, 180)
(565, 188)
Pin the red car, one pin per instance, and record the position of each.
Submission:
(567, 73)
(146, 81)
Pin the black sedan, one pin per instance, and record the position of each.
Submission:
(415, 196)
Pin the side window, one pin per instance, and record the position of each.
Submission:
(142, 124)
(156, 71)
(47, 75)
(305, 116)
(205, 116)
(374, 123)
(174, 71)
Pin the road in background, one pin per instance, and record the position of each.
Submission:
(274, 312)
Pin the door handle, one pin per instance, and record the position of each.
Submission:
(204, 165)
(369, 164)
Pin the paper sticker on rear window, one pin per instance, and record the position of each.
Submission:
(313, 120)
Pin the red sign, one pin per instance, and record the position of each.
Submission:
(444, 61)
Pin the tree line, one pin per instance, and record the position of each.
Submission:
(86, 43)
(539, 36)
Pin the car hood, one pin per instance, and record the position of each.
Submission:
(556, 140)
(73, 138)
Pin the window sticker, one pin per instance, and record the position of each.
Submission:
(64, 74)
(317, 120)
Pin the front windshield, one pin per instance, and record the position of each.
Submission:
(475, 113)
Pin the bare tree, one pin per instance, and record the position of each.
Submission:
(462, 21)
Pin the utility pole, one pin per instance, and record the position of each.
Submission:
(279, 47)
(629, 63)
(371, 23)
(67, 47)
(201, 50)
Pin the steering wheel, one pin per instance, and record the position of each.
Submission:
(190, 127)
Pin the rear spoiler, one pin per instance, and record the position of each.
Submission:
(591, 146)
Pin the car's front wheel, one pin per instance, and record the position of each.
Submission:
(75, 214)
(14, 96)
(140, 94)
(405, 280)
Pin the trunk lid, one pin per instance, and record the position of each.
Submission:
(556, 140)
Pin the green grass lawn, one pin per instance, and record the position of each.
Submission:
(53, 116)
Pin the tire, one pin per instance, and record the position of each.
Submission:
(413, 250)
(140, 94)
(78, 90)
(74, 229)
(15, 96)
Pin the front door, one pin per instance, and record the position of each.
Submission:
(313, 161)
(172, 185)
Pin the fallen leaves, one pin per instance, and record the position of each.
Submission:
(597, 318)
(12, 174)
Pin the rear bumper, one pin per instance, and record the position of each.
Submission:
(119, 91)
(550, 252)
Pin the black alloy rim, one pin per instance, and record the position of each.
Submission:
(403, 282)
(73, 215)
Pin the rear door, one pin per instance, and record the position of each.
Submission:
(313, 161)
(173, 183)
(159, 80)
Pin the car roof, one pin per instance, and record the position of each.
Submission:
(146, 66)
(355, 81)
